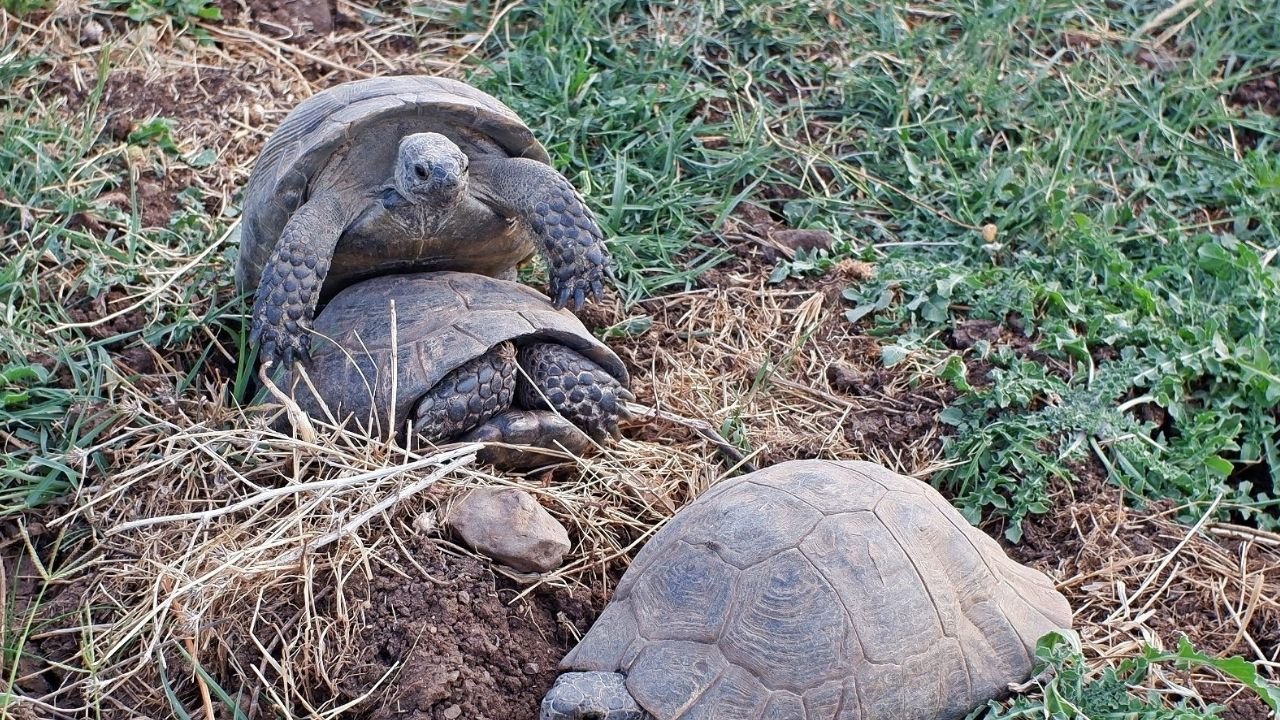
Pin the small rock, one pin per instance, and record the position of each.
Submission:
(464, 597)
(453, 712)
(967, 333)
(91, 33)
(509, 526)
(803, 239)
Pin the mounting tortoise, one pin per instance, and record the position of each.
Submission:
(468, 358)
(806, 590)
(403, 174)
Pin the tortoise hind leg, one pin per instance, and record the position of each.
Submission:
(575, 386)
(467, 397)
(530, 430)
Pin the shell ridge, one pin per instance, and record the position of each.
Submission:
(684, 709)
(924, 581)
(735, 595)
(462, 295)
(468, 333)
(713, 547)
(853, 626)
(998, 574)
(797, 498)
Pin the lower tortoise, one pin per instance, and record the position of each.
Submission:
(444, 356)
(811, 590)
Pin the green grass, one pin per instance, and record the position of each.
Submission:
(904, 134)
(65, 244)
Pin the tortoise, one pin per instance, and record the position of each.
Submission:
(810, 589)
(403, 174)
(469, 358)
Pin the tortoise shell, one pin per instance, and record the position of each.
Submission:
(816, 589)
(360, 123)
(364, 371)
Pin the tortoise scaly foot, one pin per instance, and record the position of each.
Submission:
(573, 243)
(576, 387)
(468, 396)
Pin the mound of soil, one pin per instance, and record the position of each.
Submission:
(464, 646)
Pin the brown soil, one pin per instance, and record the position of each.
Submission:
(1260, 92)
(1095, 541)
(464, 647)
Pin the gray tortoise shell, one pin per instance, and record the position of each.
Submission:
(442, 320)
(816, 589)
(317, 127)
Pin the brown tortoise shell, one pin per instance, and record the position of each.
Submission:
(815, 589)
(442, 320)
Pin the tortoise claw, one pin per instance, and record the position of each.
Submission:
(561, 296)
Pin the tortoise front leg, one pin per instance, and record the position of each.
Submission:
(576, 387)
(468, 396)
(563, 227)
(289, 288)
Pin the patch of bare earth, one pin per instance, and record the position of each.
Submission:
(458, 640)
(1137, 577)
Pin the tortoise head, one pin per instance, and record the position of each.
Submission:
(431, 170)
(590, 696)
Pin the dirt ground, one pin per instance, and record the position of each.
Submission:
(461, 647)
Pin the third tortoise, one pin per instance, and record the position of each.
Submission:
(811, 590)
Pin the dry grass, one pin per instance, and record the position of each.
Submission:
(218, 536)
(1139, 578)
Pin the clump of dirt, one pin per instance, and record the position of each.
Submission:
(87, 309)
(297, 20)
(1260, 92)
(464, 648)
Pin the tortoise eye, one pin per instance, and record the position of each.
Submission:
(420, 171)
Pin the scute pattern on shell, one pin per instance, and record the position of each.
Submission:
(442, 320)
(852, 592)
